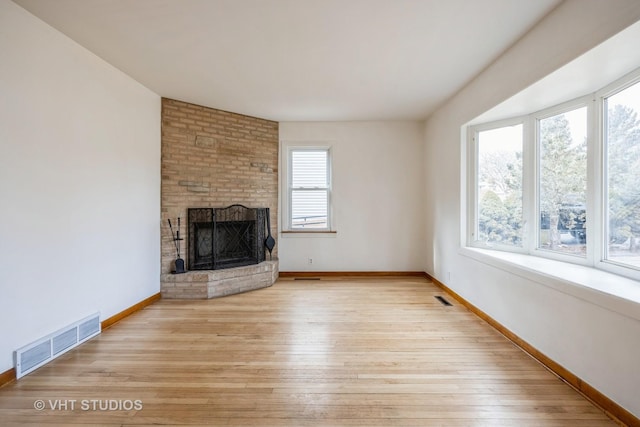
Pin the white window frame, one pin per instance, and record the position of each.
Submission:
(601, 247)
(473, 168)
(286, 164)
(596, 204)
(534, 249)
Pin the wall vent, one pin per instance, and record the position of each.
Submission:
(42, 351)
(306, 278)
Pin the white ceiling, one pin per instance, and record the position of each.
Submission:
(299, 60)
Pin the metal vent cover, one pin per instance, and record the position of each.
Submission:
(89, 328)
(65, 340)
(443, 301)
(35, 356)
(42, 351)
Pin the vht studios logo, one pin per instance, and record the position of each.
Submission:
(88, 405)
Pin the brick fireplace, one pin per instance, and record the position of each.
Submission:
(214, 159)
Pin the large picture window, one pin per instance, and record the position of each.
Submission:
(562, 195)
(562, 183)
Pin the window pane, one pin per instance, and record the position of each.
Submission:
(309, 168)
(309, 209)
(563, 182)
(623, 176)
(500, 186)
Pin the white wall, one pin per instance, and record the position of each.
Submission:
(79, 184)
(377, 204)
(599, 345)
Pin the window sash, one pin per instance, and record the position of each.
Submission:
(569, 210)
(475, 237)
(616, 255)
(309, 208)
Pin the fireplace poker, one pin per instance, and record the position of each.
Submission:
(175, 239)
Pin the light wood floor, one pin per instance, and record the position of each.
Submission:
(344, 352)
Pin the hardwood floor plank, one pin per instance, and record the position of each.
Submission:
(335, 352)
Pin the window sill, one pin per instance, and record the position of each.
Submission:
(308, 233)
(601, 288)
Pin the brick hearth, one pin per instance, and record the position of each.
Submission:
(206, 284)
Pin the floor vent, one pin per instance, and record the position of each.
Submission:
(44, 350)
(443, 301)
(306, 278)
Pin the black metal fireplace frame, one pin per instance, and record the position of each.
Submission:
(245, 226)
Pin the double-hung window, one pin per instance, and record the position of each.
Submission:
(309, 189)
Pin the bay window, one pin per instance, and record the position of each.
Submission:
(561, 183)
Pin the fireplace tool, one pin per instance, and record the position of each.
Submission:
(269, 241)
(176, 241)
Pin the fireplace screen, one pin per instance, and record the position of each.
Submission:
(226, 237)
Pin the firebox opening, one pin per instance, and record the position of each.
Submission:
(226, 237)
